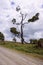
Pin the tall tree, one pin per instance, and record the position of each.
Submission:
(23, 17)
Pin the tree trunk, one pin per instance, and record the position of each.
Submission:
(22, 40)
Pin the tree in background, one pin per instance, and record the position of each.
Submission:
(33, 41)
(23, 17)
(14, 39)
(14, 31)
(1, 37)
(40, 42)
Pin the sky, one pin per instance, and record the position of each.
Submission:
(30, 7)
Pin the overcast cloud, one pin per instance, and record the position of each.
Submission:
(8, 12)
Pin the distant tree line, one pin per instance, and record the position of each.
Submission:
(39, 42)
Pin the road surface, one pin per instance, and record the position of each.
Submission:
(8, 57)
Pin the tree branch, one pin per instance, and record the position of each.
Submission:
(17, 23)
(25, 23)
(25, 16)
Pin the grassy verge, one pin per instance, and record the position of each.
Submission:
(26, 48)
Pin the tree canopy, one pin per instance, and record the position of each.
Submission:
(1, 37)
(14, 31)
(34, 18)
(14, 20)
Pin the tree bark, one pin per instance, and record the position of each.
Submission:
(22, 40)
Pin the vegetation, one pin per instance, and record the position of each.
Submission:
(1, 37)
(33, 41)
(38, 42)
(13, 30)
(23, 16)
(14, 39)
(34, 18)
(27, 48)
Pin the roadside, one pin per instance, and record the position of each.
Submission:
(28, 49)
(9, 57)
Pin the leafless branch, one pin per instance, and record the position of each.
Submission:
(25, 23)
(17, 23)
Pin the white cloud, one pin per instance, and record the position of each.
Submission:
(38, 35)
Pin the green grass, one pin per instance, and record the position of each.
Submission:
(27, 48)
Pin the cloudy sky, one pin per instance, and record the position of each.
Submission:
(30, 7)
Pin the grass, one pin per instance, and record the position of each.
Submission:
(27, 48)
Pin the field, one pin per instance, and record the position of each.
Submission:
(30, 49)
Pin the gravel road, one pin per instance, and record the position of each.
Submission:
(9, 57)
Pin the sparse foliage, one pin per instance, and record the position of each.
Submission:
(34, 18)
(17, 8)
(23, 16)
(40, 42)
(14, 31)
(14, 21)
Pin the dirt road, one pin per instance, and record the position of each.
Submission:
(8, 57)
